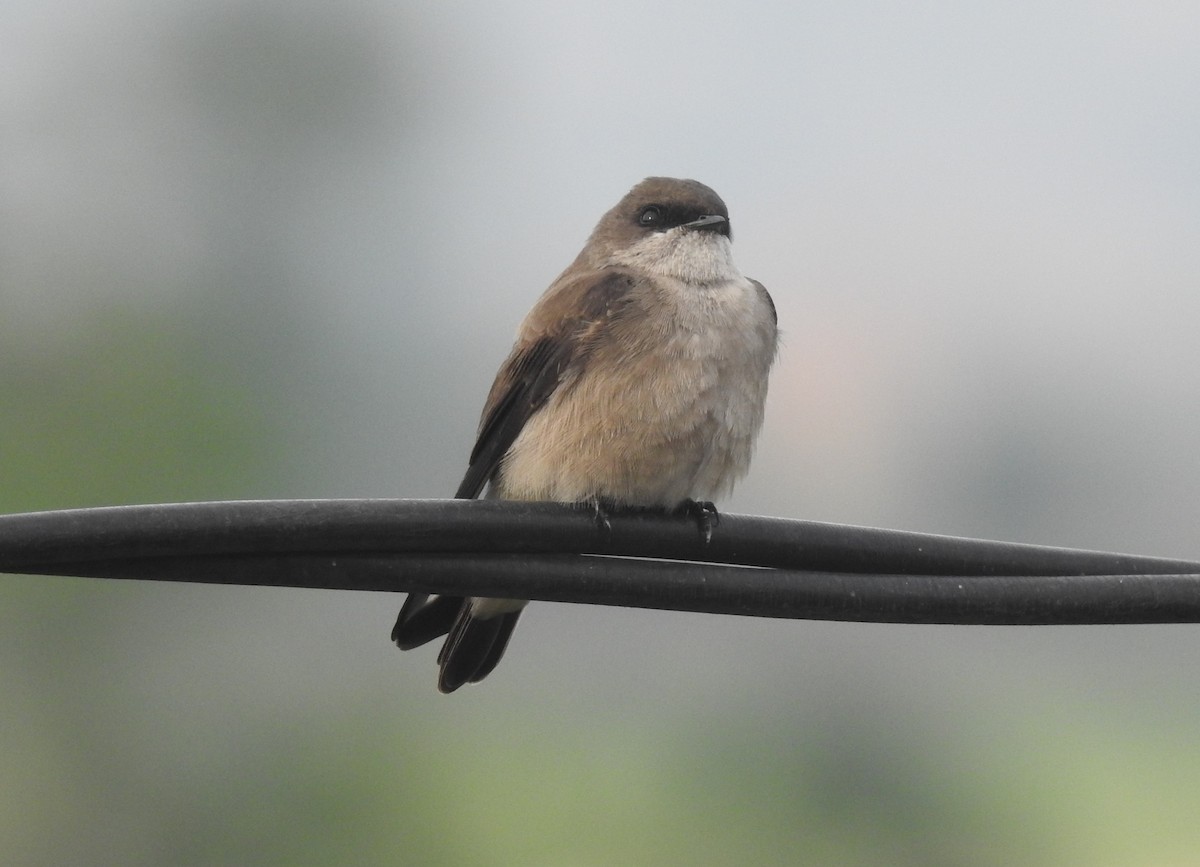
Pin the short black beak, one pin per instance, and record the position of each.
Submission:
(711, 222)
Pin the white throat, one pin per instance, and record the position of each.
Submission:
(695, 257)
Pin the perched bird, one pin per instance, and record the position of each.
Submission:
(637, 379)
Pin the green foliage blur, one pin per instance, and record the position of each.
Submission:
(126, 411)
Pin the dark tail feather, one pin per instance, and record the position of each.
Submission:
(423, 619)
(473, 647)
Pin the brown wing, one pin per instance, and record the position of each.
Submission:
(766, 296)
(563, 326)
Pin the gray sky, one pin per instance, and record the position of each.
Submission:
(979, 223)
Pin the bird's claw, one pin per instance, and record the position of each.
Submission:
(705, 514)
(600, 517)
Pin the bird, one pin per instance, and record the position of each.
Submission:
(637, 379)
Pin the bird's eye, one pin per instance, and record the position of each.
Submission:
(650, 216)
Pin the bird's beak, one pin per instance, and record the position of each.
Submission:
(708, 221)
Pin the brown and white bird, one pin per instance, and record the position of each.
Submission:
(637, 379)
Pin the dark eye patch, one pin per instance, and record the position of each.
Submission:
(663, 217)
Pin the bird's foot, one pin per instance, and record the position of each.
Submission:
(705, 514)
(600, 517)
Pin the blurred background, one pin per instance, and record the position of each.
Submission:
(270, 249)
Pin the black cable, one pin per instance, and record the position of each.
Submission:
(533, 551)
